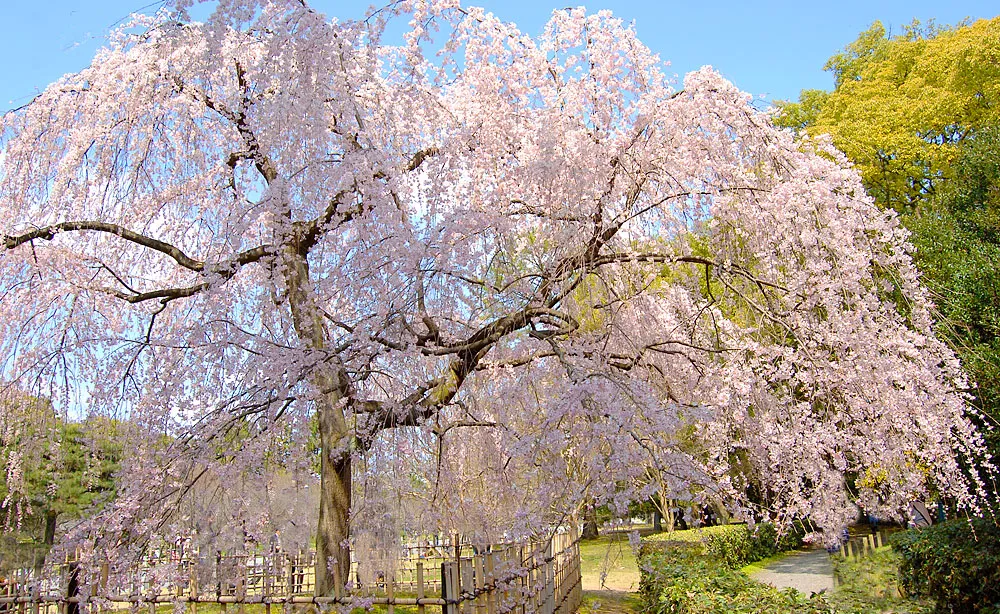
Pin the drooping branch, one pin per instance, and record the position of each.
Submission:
(652, 257)
(224, 269)
(49, 233)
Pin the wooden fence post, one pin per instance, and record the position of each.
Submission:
(552, 585)
(468, 588)
(449, 587)
(524, 583)
(241, 587)
(532, 585)
(478, 569)
(267, 580)
(420, 587)
(390, 581)
(193, 586)
(490, 581)
(561, 590)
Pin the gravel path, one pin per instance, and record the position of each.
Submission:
(808, 572)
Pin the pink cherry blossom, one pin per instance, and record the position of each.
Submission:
(502, 275)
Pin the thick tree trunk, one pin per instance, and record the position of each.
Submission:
(333, 554)
(331, 385)
(590, 530)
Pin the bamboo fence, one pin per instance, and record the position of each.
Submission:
(540, 578)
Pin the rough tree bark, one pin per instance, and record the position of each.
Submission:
(333, 554)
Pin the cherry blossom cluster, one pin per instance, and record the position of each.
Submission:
(495, 276)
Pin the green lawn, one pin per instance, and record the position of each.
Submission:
(610, 575)
(608, 563)
(609, 602)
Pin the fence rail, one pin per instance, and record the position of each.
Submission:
(541, 578)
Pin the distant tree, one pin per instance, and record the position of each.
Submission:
(237, 225)
(902, 104)
(64, 471)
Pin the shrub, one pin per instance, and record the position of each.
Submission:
(957, 563)
(699, 535)
(692, 572)
(871, 584)
(684, 578)
(742, 545)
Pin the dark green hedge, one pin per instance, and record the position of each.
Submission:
(956, 563)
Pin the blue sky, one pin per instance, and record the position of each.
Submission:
(772, 49)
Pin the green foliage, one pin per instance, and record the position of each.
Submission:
(903, 104)
(957, 240)
(693, 572)
(66, 468)
(873, 583)
(742, 545)
(681, 574)
(683, 578)
(804, 113)
(74, 471)
(957, 563)
(691, 536)
(850, 64)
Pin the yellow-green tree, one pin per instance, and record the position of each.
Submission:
(903, 103)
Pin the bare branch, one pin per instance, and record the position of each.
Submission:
(49, 232)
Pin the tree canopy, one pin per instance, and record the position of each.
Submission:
(530, 252)
(902, 104)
